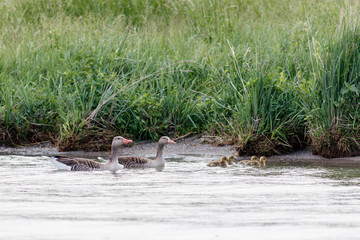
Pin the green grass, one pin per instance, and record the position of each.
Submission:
(333, 114)
(251, 71)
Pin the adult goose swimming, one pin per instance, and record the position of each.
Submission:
(83, 164)
(141, 162)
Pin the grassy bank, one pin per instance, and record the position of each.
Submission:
(260, 74)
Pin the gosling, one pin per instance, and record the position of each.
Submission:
(261, 163)
(230, 159)
(252, 161)
(218, 163)
(263, 160)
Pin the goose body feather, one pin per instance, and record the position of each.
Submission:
(84, 164)
(142, 162)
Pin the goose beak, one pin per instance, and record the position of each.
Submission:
(171, 141)
(126, 141)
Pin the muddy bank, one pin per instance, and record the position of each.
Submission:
(194, 146)
(188, 146)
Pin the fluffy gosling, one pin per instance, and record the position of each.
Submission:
(253, 160)
(218, 163)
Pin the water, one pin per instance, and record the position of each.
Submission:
(186, 200)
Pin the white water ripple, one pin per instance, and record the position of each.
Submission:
(186, 200)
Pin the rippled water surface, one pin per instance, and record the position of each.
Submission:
(186, 200)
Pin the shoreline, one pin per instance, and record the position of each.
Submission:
(192, 146)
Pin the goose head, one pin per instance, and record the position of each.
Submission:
(231, 159)
(253, 158)
(165, 140)
(263, 160)
(118, 141)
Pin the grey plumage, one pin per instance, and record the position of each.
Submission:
(133, 162)
(141, 162)
(83, 164)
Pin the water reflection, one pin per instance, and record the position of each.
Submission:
(344, 175)
(183, 200)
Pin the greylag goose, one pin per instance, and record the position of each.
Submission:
(83, 164)
(252, 161)
(141, 162)
(222, 162)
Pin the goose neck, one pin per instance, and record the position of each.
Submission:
(159, 153)
(114, 155)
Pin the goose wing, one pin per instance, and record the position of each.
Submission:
(133, 162)
(75, 164)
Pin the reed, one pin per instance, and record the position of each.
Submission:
(333, 113)
(76, 71)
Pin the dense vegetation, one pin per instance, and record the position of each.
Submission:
(269, 76)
